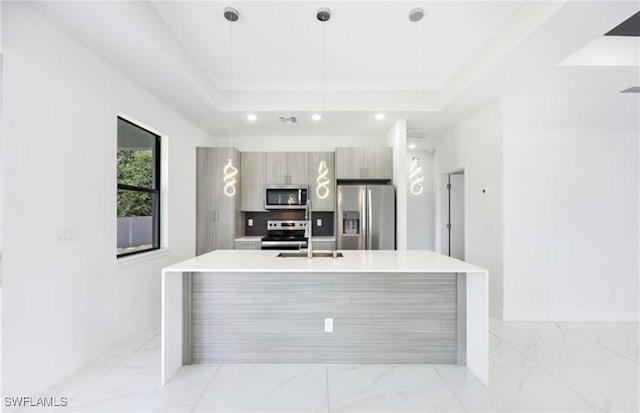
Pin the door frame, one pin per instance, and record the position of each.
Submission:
(442, 208)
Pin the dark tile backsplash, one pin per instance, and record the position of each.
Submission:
(260, 221)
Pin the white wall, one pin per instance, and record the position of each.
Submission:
(64, 303)
(421, 208)
(571, 208)
(396, 137)
(475, 144)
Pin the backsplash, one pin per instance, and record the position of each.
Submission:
(260, 221)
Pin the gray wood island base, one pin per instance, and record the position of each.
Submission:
(386, 307)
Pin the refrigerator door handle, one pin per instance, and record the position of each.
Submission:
(369, 215)
(364, 222)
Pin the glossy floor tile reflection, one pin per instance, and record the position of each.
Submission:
(535, 367)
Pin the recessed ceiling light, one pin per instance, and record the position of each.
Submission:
(251, 117)
(379, 116)
(412, 146)
(316, 116)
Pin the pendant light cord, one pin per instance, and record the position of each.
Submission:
(229, 126)
(415, 70)
(322, 67)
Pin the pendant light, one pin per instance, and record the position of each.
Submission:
(322, 190)
(229, 170)
(415, 178)
(323, 15)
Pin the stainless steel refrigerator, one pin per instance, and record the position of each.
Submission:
(366, 217)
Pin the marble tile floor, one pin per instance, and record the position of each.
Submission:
(535, 367)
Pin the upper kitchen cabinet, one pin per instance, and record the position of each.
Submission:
(287, 168)
(254, 166)
(328, 203)
(217, 215)
(364, 163)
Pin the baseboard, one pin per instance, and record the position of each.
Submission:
(572, 316)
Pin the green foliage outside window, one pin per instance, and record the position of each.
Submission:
(135, 167)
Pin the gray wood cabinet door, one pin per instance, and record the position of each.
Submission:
(277, 170)
(206, 213)
(348, 161)
(379, 163)
(324, 245)
(286, 168)
(248, 245)
(253, 181)
(329, 202)
(364, 163)
(216, 214)
(298, 168)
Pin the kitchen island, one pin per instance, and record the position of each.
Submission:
(368, 307)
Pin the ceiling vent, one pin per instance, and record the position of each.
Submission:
(289, 120)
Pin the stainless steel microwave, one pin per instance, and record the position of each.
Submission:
(285, 196)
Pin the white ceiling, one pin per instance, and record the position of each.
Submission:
(368, 45)
(470, 53)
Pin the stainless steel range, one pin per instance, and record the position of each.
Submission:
(285, 235)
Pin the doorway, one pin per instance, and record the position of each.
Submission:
(454, 215)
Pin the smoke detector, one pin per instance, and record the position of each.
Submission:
(289, 120)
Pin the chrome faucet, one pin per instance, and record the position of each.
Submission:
(308, 230)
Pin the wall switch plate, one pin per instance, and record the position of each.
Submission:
(328, 325)
(250, 222)
(318, 222)
(66, 234)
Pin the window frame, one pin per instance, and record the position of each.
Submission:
(156, 218)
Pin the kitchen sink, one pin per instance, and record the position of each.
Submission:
(303, 254)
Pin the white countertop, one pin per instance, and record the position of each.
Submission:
(422, 261)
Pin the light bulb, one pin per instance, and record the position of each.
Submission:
(252, 117)
(379, 116)
(316, 116)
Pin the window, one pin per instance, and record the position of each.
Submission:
(138, 189)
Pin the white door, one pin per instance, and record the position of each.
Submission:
(455, 227)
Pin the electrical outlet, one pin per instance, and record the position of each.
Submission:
(250, 222)
(318, 222)
(328, 325)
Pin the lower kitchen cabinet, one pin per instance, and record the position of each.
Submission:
(324, 245)
(247, 245)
